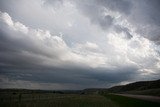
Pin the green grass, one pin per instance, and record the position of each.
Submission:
(130, 102)
(22, 98)
(54, 100)
(152, 92)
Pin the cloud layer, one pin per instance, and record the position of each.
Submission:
(74, 45)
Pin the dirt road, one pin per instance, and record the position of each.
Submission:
(142, 97)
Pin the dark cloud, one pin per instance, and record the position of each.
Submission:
(123, 6)
(86, 77)
(106, 21)
(95, 14)
(11, 52)
(146, 12)
(146, 18)
(95, 9)
(143, 14)
(28, 53)
(125, 30)
(18, 67)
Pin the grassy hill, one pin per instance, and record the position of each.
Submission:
(141, 87)
(93, 97)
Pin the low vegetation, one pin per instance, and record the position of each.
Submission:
(93, 97)
(136, 86)
(123, 101)
(53, 100)
(152, 92)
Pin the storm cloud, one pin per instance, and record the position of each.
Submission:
(74, 44)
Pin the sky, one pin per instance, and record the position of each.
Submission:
(78, 44)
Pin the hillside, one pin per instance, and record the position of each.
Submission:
(141, 87)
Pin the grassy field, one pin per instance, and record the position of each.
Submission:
(54, 100)
(152, 92)
(31, 98)
(122, 101)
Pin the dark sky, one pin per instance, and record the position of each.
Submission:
(77, 44)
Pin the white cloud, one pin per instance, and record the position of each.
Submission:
(88, 46)
(53, 46)
(6, 18)
(55, 51)
(137, 51)
(116, 43)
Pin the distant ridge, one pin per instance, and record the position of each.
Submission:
(140, 88)
(136, 86)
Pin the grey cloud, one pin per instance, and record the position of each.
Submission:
(146, 12)
(146, 18)
(94, 9)
(18, 67)
(95, 14)
(125, 30)
(86, 77)
(138, 13)
(106, 22)
(20, 12)
(11, 52)
(36, 59)
(143, 14)
(122, 6)
(54, 3)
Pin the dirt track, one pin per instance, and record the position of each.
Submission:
(142, 97)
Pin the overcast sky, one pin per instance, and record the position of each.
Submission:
(77, 44)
